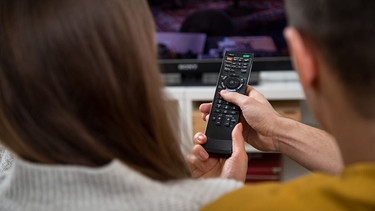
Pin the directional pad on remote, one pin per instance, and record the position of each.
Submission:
(232, 83)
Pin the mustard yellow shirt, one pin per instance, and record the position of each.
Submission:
(354, 189)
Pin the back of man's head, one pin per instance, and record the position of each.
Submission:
(344, 33)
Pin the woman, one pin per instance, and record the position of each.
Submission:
(81, 108)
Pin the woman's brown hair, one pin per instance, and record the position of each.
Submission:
(80, 84)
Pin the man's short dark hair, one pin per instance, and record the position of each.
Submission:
(344, 33)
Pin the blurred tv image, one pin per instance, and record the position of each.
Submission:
(254, 26)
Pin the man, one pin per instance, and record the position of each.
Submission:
(332, 44)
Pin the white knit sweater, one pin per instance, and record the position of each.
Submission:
(6, 160)
(28, 186)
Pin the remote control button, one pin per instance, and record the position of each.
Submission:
(232, 83)
(218, 120)
(233, 112)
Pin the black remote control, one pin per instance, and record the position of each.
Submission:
(234, 76)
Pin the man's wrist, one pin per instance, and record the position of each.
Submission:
(282, 132)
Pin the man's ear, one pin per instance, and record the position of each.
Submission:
(304, 57)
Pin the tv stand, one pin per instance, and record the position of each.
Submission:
(204, 72)
(199, 79)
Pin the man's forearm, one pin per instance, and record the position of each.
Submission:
(313, 148)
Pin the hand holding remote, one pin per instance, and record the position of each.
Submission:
(234, 76)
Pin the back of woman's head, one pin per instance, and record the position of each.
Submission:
(79, 84)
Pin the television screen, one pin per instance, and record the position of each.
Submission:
(204, 29)
(192, 36)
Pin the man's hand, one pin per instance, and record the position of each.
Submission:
(259, 119)
(266, 130)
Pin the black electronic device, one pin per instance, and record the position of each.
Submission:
(198, 72)
(192, 37)
(234, 76)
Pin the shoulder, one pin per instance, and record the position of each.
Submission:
(311, 192)
(181, 194)
(201, 191)
(117, 187)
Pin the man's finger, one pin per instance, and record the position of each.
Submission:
(234, 97)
